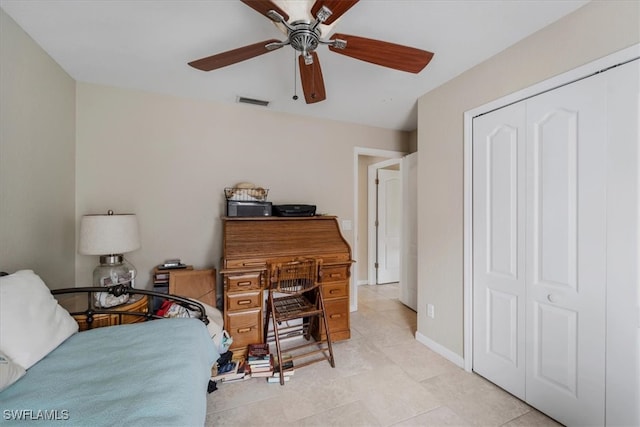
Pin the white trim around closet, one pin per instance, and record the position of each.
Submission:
(576, 74)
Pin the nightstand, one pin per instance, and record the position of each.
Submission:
(75, 303)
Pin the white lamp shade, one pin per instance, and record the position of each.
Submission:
(108, 234)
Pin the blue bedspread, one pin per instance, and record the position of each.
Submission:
(145, 374)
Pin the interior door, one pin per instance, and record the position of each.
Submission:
(498, 247)
(389, 225)
(409, 237)
(566, 252)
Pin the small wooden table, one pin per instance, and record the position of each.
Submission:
(75, 303)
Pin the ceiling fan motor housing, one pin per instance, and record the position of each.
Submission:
(303, 38)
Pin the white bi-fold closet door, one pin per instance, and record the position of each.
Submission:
(539, 249)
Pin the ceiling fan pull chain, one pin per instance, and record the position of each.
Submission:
(295, 83)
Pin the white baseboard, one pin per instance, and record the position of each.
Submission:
(362, 282)
(442, 351)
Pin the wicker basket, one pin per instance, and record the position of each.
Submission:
(257, 194)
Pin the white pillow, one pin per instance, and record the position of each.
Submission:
(32, 323)
(9, 372)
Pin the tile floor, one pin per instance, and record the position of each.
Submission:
(383, 377)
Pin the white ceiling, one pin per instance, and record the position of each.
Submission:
(146, 45)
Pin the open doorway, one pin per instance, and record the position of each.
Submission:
(364, 246)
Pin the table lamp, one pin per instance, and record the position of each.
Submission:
(110, 236)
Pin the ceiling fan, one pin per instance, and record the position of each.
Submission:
(305, 35)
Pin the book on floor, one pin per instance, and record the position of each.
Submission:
(242, 373)
(228, 370)
(277, 379)
(286, 373)
(287, 363)
(262, 371)
(257, 353)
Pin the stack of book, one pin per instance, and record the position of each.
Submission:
(287, 365)
(259, 360)
(162, 273)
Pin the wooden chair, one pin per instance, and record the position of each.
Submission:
(295, 293)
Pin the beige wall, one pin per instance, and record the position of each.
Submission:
(595, 30)
(37, 160)
(168, 159)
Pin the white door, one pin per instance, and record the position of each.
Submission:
(540, 250)
(498, 248)
(409, 237)
(566, 252)
(389, 225)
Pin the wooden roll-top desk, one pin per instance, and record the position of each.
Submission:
(251, 243)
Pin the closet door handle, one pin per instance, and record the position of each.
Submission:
(552, 298)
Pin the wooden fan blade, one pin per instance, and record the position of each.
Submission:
(232, 56)
(337, 7)
(312, 81)
(264, 6)
(387, 54)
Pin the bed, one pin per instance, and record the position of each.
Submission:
(150, 373)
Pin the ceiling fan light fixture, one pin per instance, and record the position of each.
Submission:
(299, 10)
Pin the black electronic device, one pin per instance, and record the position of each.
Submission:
(239, 208)
(294, 210)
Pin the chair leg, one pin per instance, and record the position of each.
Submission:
(327, 332)
(265, 333)
(278, 351)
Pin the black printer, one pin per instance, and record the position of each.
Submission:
(294, 210)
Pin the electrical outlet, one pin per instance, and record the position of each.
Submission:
(431, 311)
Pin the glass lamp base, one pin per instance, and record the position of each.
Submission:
(112, 271)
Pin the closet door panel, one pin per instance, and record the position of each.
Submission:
(566, 252)
(499, 291)
(623, 246)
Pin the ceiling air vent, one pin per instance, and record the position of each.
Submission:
(243, 100)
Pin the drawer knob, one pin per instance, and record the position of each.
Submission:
(334, 291)
(244, 302)
(334, 316)
(245, 283)
(243, 330)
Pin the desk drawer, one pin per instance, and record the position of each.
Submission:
(243, 282)
(335, 273)
(245, 327)
(337, 314)
(243, 263)
(335, 290)
(338, 319)
(243, 300)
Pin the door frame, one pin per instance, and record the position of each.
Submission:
(579, 73)
(372, 202)
(357, 152)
